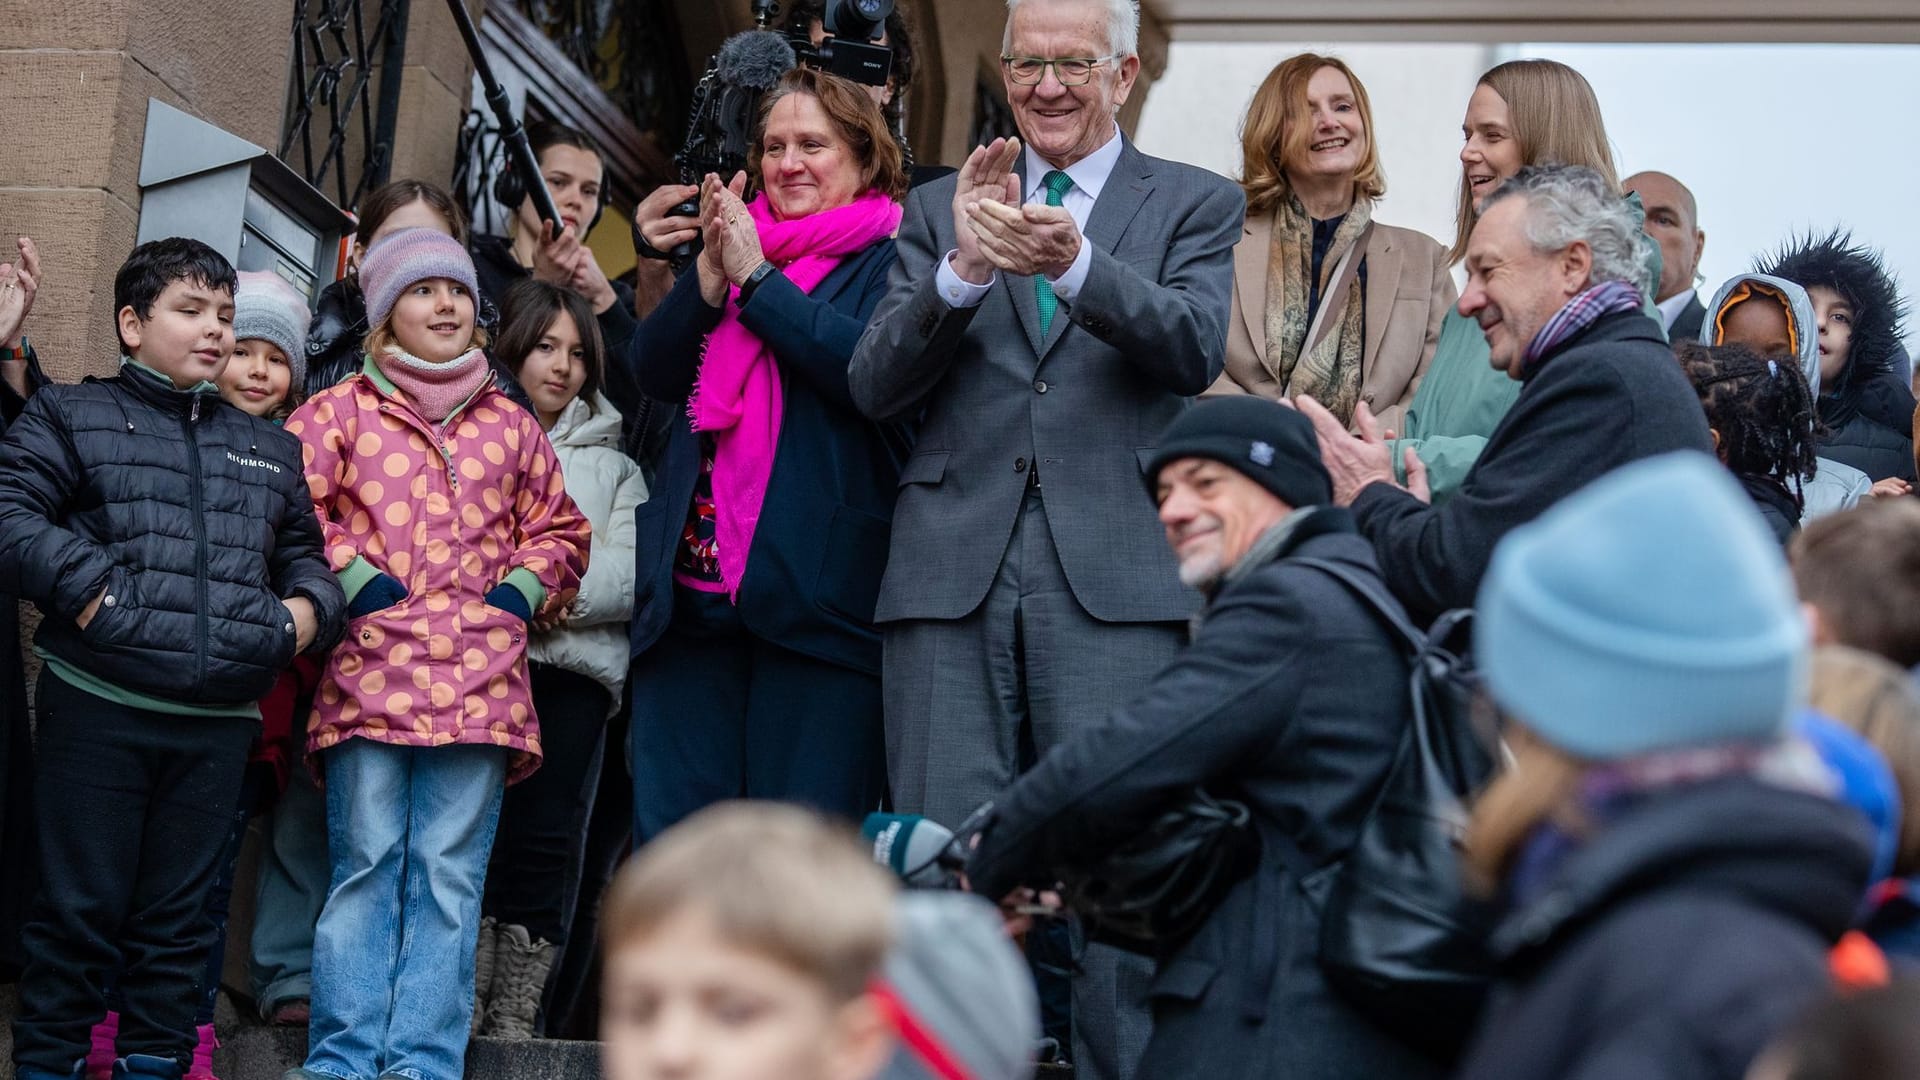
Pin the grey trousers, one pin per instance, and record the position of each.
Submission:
(970, 700)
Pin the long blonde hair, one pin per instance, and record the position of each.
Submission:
(1555, 120)
(1277, 130)
(1539, 786)
(1873, 697)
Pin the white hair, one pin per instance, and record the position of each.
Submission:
(1573, 202)
(1123, 25)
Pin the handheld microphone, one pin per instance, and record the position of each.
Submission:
(920, 851)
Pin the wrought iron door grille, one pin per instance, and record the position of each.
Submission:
(334, 135)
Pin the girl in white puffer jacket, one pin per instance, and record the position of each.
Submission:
(550, 340)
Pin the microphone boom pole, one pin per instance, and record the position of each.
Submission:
(512, 135)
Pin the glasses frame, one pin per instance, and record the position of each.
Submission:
(1093, 64)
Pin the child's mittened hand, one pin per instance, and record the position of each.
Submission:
(511, 600)
(383, 591)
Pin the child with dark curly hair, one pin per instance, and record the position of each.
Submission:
(1864, 403)
(1760, 414)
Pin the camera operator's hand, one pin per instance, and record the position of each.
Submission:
(987, 176)
(657, 224)
(576, 268)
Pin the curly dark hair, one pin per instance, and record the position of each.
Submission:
(1761, 408)
(1859, 274)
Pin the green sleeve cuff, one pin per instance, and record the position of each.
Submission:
(355, 575)
(523, 579)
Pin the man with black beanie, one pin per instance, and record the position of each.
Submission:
(1291, 698)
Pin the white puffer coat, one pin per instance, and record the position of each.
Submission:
(606, 484)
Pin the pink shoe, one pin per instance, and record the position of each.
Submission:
(100, 1057)
(202, 1068)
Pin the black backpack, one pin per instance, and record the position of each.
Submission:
(1399, 936)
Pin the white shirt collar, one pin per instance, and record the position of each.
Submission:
(1672, 306)
(1089, 174)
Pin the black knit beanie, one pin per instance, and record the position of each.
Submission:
(1273, 445)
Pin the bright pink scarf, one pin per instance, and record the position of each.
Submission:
(737, 395)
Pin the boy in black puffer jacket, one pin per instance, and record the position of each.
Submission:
(170, 541)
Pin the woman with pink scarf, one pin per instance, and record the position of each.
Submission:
(757, 665)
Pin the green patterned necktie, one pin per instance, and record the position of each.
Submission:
(1057, 184)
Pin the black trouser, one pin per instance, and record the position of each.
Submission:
(534, 876)
(133, 810)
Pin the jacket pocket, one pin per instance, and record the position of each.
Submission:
(116, 597)
(849, 580)
(1144, 455)
(925, 468)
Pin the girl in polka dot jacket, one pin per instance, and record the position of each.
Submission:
(449, 526)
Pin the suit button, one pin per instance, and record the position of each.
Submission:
(1040, 386)
(1019, 464)
(1367, 397)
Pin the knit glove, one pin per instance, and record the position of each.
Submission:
(383, 591)
(509, 599)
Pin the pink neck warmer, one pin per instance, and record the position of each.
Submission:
(434, 390)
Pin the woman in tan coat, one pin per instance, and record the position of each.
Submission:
(1326, 301)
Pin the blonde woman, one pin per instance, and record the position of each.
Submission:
(1523, 112)
(1327, 301)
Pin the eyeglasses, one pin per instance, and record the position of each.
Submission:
(1070, 70)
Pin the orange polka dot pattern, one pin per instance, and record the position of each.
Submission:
(448, 513)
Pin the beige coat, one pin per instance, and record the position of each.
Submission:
(1408, 293)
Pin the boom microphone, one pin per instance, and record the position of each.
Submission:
(754, 59)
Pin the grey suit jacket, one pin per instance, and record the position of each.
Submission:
(1086, 404)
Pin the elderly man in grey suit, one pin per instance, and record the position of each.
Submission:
(1052, 309)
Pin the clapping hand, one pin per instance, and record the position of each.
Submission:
(718, 202)
(1025, 240)
(18, 285)
(987, 176)
(1355, 461)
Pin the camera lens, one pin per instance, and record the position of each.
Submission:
(858, 19)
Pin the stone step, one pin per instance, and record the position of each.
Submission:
(258, 1052)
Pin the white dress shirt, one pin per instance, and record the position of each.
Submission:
(1672, 306)
(1089, 176)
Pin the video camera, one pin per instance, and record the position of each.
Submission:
(726, 100)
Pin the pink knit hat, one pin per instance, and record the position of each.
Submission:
(407, 256)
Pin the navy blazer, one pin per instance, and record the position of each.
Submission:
(813, 575)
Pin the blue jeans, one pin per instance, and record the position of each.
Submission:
(294, 875)
(409, 830)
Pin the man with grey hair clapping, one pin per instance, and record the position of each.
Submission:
(1556, 273)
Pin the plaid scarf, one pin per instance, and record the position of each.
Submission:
(1579, 313)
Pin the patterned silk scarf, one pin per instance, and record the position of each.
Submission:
(1330, 370)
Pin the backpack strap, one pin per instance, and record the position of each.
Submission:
(1374, 594)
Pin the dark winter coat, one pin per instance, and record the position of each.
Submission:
(1248, 711)
(1871, 428)
(193, 516)
(1608, 396)
(1775, 503)
(16, 746)
(821, 543)
(338, 334)
(1677, 942)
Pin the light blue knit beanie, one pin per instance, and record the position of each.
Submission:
(1649, 611)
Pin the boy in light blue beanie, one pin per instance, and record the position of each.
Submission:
(1651, 610)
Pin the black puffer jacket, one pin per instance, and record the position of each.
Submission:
(1678, 942)
(190, 515)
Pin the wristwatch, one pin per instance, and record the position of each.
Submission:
(760, 274)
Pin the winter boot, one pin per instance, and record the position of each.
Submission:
(202, 1068)
(519, 982)
(100, 1057)
(485, 949)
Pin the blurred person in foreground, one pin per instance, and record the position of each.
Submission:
(1675, 860)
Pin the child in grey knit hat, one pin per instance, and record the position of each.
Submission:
(268, 369)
